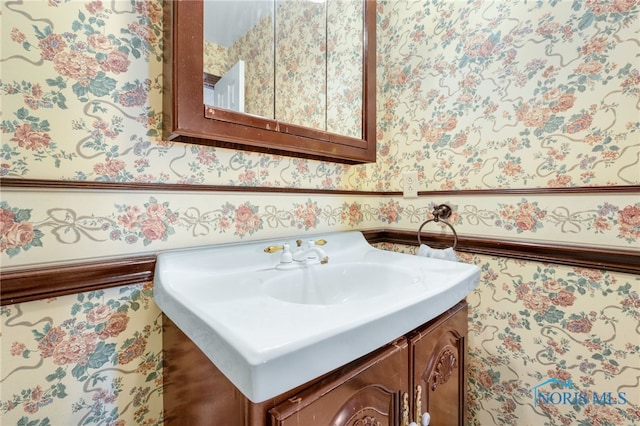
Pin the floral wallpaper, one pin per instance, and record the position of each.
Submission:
(131, 223)
(510, 94)
(305, 50)
(471, 94)
(532, 322)
(345, 62)
(216, 58)
(91, 358)
(468, 95)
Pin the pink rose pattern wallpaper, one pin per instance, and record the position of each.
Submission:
(468, 95)
(530, 322)
(509, 94)
(472, 94)
(535, 322)
(92, 358)
(29, 236)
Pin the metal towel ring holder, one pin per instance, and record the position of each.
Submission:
(440, 214)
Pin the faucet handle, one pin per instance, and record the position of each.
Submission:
(286, 258)
(273, 249)
(317, 242)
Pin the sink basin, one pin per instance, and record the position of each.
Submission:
(270, 330)
(340, 283)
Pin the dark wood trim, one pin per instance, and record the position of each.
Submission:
(538, 191)
(610, 259)
(54, 281)
(120, 186)
(210, 80)
(59, 280)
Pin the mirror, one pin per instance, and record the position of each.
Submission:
(239, 42)
(264, 63)
(337, 118)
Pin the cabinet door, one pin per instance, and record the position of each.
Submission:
(437, 358)
(363, 393)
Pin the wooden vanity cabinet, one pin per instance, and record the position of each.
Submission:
(367, 393)
(421, 371)
(437, 360)
(196, 393)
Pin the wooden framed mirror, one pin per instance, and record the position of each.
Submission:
(187, 118)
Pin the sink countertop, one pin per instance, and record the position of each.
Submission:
(265, 345)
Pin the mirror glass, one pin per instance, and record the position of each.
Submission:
(345, 67)
(295, 61)
(239, 44)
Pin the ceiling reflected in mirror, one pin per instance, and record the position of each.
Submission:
(228, 20)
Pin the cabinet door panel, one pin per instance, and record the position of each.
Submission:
(438, 359)
(372, 405)
(368, 395)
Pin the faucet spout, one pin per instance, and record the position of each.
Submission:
(310, 255)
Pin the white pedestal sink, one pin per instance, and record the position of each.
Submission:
(270, 330)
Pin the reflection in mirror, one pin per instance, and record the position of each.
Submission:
(303, 60)
(239, 32)
(345, 67)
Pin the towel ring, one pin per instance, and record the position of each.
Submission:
(441, 213)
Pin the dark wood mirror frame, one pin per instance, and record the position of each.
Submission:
(187, 120)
